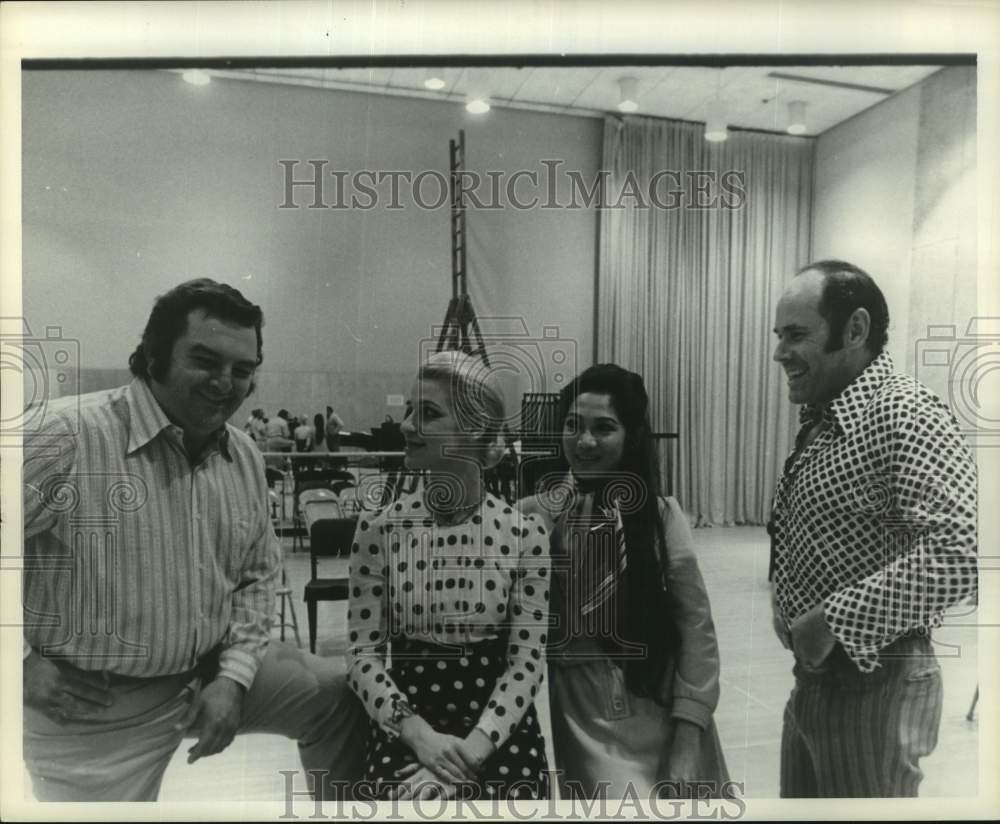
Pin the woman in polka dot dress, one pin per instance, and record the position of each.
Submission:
(633, 658)
(449, 608)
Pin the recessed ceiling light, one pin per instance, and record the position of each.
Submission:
(197, 77)
(434, 83)
(477, 106)
(628, 93)
(796, 117)
(715, 122)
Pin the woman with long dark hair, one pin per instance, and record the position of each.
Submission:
(319, 427)
(633, 659)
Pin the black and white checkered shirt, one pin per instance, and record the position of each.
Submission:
(876, 517)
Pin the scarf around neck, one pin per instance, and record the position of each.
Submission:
(600, 572)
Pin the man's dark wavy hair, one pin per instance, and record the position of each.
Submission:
(644, 609)
(845, 289)
(168, 321)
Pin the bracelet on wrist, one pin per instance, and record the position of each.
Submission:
(400, 709)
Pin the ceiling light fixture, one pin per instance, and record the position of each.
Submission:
(796, 117)
(477, 105)
(715, 122)
(433, 82)
(628, 96)
(197, 77)
(716, 116)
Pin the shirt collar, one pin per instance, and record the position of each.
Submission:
(845, 410)
(147, 419)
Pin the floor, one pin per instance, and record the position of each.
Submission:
(756, 680)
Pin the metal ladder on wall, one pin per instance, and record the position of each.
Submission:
(461, 326)
(460, 330)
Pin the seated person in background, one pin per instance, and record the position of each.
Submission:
(279, 437)
(177, 636)
(303, 435)
(453, 583)
(277, 427)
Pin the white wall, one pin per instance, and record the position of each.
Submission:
(895, 191)
(863, 208)
(135, 181)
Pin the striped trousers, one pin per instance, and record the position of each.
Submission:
(849, 734)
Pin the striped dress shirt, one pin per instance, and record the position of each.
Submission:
(137, 561)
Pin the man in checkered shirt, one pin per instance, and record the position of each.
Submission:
(873, 532)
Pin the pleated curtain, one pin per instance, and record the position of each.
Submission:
(686, 297)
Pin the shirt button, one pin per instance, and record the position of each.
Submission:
(618, 704)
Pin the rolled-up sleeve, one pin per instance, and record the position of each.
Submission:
(252, 609)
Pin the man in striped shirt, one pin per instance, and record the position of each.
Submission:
(150, 573)
(873, 532)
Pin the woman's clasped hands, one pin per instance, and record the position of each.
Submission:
(443, 761)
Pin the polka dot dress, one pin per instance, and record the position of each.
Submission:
(482, 582)
(449, 687)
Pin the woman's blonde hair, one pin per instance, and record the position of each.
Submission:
(477, 402)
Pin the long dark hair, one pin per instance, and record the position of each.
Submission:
(643, 608)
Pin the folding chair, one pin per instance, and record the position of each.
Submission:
(313, 504)
(307, 480)
(318, 505)
(328, 538)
